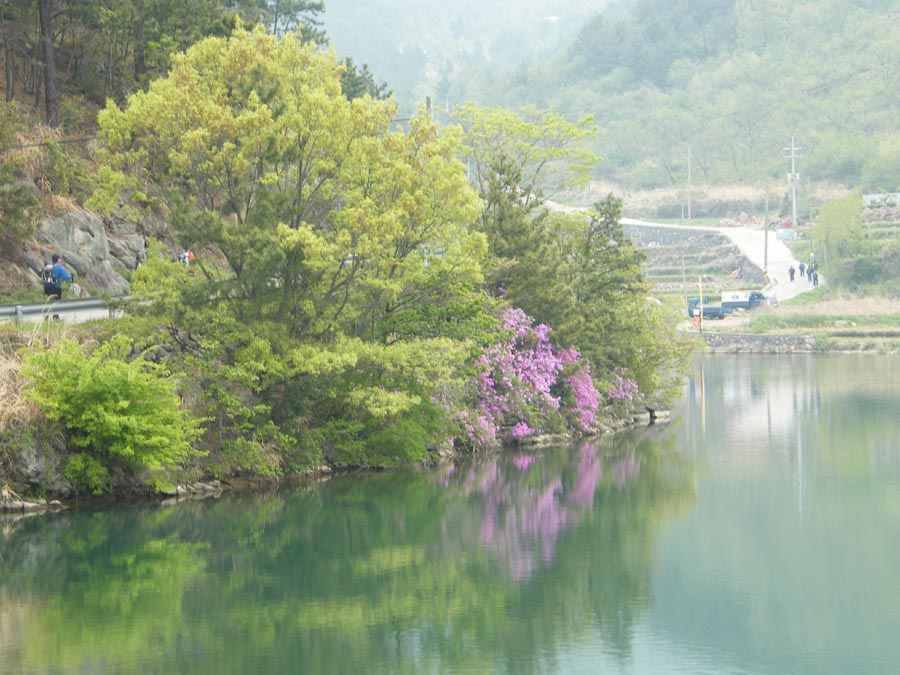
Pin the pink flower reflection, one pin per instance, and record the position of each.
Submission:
(522, 462)
(625, 469)
(521, 506)
(590, 473)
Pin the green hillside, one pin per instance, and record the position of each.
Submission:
(730, 82)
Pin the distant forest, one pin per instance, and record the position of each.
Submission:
(412, 44)
(728, 81)
(731, 80)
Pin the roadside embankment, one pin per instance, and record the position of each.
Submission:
(749, 343)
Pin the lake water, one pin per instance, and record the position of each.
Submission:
(757, 533)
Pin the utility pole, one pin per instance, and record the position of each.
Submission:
(792, 153)
(689, 181)
(766, 240)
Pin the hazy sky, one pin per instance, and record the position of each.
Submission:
(413, 43)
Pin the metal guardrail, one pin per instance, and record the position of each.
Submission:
(55, 308)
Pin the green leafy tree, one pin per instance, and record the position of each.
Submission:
(322, 228)
(578, 274)
(546, 149)
(839, 226)
(357, 81)
(324, 218)
(529, 267)
(121, 410)
(513, 160)
(612, 320)
(840, 242)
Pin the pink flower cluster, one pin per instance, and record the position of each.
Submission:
(521, 382)
(587, 398)
(622, 389)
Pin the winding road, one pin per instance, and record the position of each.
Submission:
(753, 243)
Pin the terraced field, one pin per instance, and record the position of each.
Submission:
(677, 259)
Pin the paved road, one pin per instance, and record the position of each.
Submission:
(752, 243)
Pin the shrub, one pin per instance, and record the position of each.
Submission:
(124, 412)
(526, 386)
(823, 343)
(87, 474)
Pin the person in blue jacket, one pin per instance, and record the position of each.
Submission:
(59, 270)
(54, 275)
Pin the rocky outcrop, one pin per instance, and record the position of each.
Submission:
(748, 343)
(10, 502)
(99, 250)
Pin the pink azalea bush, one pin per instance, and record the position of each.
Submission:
(525, 385)
(622, 391)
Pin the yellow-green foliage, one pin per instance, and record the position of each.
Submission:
(322, 215)
(121, 410)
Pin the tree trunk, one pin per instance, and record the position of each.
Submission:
(51, 86)
(140, 62)
(8, 69)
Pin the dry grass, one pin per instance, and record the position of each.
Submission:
(847, 305)
(15, 409)
(12, 405)
(650, 200)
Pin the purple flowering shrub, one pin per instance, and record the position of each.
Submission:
(621, 391)
(525, 385)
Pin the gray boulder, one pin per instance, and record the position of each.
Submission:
(98, 251)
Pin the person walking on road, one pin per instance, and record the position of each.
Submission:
(53, 275)
(791, 272)
(802, 270)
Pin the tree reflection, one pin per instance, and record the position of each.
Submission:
(486, 565)
(521, 502)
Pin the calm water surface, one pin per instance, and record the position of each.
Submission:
(758, 533)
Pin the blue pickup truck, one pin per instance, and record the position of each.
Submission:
(710, 311)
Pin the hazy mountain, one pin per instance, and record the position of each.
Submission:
(413, 44)
(727, 83)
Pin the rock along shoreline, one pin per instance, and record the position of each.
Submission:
(13, 505)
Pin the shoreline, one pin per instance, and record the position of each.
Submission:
(14, 506)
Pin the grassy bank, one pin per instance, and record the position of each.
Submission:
(837, 321)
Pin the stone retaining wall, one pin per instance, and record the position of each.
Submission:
(748, 343)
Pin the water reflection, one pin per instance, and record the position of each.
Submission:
(494, 561)
(788, 561)
(524, 505)
(758, 534)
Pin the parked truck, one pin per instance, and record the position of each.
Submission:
(710, 311)
(743, 299)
